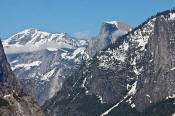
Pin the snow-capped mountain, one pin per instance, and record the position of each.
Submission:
(33, 40)
(134, 76)
(43, 60)
(108, 34)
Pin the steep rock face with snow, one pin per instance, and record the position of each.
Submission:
(132, 77)
(157, 81)
(108, 34)
(13, 102)
(43, 60)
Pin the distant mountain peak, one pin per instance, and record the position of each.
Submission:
(31, 32)
(33, 39)
(44, 60)
(109, 32)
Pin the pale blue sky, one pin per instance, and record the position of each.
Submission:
(83, 17)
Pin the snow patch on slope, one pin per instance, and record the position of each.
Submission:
(101, 99)
(48, 75)
(83, 84)
(172, 68)
(112, 55)
(27, 66)
(171, 96)
(172, 16)
(173, 114)
(81, 51)
(7, 96)
(138, 39)
(15, 61)
(52, 49)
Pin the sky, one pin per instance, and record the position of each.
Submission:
(79, 18)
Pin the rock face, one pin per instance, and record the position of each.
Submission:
(13, 102)
(42, 60)
(8, 81)
(134, 76)
(158, 78)
(108, 34)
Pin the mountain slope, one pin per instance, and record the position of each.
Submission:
(108, 34)
(43, 60)
(13, 102)
(132, 77)
(47, 59)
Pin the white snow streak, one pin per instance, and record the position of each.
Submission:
(27, 66)
(7, 96)
(171, 96)
(83, 84)
(48, 75)
(173, 114)
(172, 68)
(101, 99)
(130, 93)
(172, 16)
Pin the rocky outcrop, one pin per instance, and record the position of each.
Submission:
(108, 34)
(158, 78)
(8, 81)
(13, 102)
(132, 77)
(19, 105)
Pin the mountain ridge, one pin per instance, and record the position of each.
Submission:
(45, 59)
(37, 50)
(125, 78)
